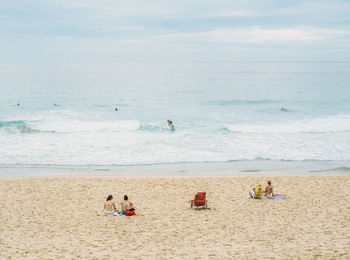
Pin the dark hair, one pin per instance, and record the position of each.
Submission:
(109, 197)
(125, 197)
(269, 182)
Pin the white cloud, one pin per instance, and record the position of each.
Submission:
(129, 41)
(316, 8)
(240, 13)
(303, 34)
(114, 9)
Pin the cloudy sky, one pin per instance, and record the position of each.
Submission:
(181, 30)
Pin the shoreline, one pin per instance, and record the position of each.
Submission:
(167, 176)
(234, 168)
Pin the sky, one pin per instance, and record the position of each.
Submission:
(174, 31)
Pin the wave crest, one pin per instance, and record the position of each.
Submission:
(240, 102)
(19, 126)
(317, 125)
(89, 126)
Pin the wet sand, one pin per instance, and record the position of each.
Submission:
(55, 217)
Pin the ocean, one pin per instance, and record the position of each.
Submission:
(228, 117)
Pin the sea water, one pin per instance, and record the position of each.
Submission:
(227, 116)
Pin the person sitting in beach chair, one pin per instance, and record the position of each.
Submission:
(257, 193)
(199, 201)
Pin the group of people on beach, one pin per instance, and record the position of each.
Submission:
(127, 209)
(255, 193)
(109, 207)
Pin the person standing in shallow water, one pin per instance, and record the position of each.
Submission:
(171, 125)
(269, 189)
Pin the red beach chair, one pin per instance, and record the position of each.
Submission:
(200, 201)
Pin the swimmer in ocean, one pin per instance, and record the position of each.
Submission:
(170, 124)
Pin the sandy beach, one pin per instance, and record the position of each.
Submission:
(56, 217)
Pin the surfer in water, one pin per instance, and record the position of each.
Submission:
(283, 109)
(171, 125)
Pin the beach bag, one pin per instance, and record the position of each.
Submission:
(258, 191)
(130, 212)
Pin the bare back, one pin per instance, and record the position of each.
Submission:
(269, 190)
(126, 205)
(109, 205)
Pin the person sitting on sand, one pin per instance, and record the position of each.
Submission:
(269, 189)
(109, 206)
(126, 205)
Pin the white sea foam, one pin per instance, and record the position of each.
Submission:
(316, 125)
(109, 145)
(86, 126)
(68, 121)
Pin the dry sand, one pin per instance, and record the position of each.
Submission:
(54, 218)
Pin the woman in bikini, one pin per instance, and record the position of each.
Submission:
(109, 206)
(269, 189)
